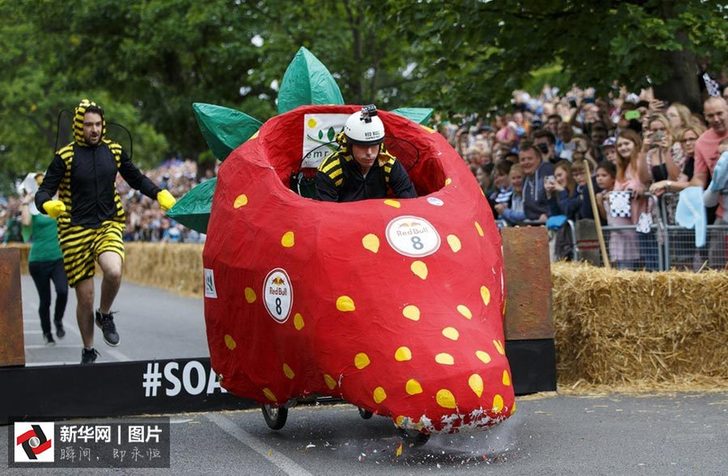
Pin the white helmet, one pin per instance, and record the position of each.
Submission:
(365, 127)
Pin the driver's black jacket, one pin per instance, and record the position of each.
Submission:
(339, 179)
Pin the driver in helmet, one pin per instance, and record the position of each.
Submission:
(362, 168)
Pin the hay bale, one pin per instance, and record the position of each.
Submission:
(176, 267)
(618, 327)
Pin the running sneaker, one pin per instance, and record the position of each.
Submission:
(107, 326)
(60, 331)
(88, 356)
(48, 339)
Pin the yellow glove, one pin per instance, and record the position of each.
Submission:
(166, 200)
(54, 208)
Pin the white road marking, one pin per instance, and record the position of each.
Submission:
(284, 463)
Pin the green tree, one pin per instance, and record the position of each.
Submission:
(475, 54)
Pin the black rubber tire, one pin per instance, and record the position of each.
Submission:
(365, 414)
(413, 437)
(275, 417)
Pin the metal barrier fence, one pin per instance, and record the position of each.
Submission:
(666, 246)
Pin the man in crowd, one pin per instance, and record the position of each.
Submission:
(91, 217)
(708, 170)
(535, 170)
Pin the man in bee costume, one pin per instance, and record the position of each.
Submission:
(362, 168)
(91, 218)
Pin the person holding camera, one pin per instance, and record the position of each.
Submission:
(362, 168)
(662, 160)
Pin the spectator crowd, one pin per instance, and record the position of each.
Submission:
(534, 164)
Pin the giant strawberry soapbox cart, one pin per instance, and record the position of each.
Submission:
(393, 305)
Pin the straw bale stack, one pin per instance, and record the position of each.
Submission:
(176, 267)
(622, 327)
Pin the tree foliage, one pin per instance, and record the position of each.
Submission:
(147, 61)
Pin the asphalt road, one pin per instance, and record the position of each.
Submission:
(153, 324)
(559, 435)
(550, 434)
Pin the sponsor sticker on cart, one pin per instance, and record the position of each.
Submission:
(412, 236)
(278, 294)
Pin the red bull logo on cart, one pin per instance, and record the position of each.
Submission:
(278, 294)
(412, 236)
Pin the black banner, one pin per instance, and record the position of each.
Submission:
(113, 389)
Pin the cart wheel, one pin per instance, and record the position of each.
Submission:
(365, 414)
(275, 417)
(414, 437)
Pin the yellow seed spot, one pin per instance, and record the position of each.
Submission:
(249, 295)
(288, 239)
(462, 309)
(411, 312)
(240, 201)
(399, 421)
(513, 408)
(330, 382)
(230, 342)
(497, 403)
(298, 321)
(479, 228)
(476, 384)
(398, 451)
(499, 347)
(448, 181)
(483, 356)
(451, 333)
(345, 304)
(485, 294)
(371, 242)
(379, 395)
(413, 387)
(361, 360)
(444, 359)
(288, 372)
(420, 269)
(506, 378)
(392, 203)
(454, 243)
(402, 354)
(312, 123)
(269, 395)
(445, 399)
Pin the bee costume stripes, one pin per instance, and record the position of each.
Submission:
(84, 176)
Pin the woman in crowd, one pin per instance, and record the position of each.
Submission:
(663, 160)
(686, 138)
(633, 176)
(679, 116)
(564, 201)
(45, 263)
(561, 189)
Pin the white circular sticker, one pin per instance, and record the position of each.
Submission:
(412, 236)
(435, 201)
(278, 294)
